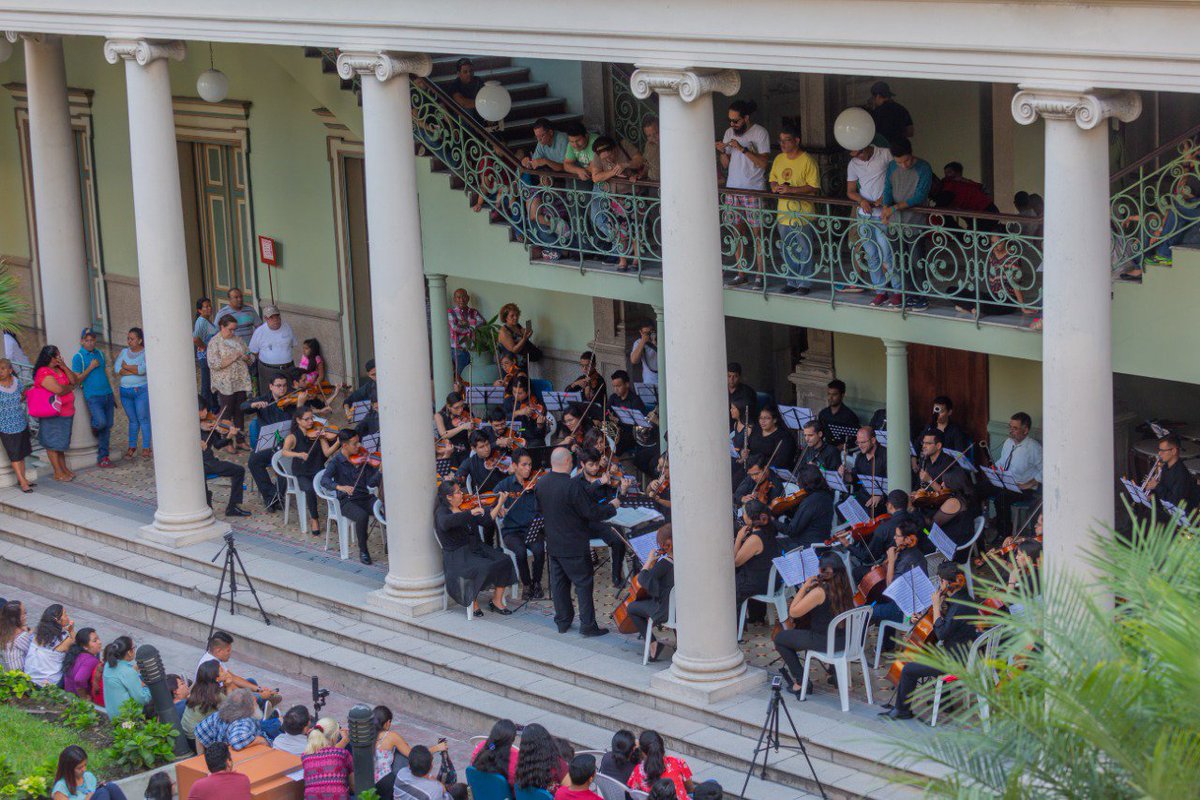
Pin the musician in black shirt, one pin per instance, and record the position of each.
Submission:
(602, 486)
(865, 555)
(516, 513)
(1174, 484)
(210, 439)
(869, 461)
(953, 627)
(758, 474)
(484, 466)
(351, 474)
(816, 450)
(812, 521)
(935, 464)
(623, 396)
(953, 435)
(741, 393)
(836, 413)
(903, 556)
(658, 579)
(367, 390)
(266, 406)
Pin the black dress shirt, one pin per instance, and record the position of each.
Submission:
(1176, 485)
(955, 630)
(340, 472)
(567, 511)
(844, 417)
(826, 457)
(812, 522)
(483, 479)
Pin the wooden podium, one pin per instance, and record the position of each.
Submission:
(267, 768)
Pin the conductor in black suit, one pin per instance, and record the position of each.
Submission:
(567, 511)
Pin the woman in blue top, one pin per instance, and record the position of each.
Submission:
(14, 423)
(203, 330)
(130, 366)
(72, 781)
(121, 679)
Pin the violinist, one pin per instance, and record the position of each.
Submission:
(500, 430)
(351, 473)
(455, 424)
(574, 430)
(753, 548)
(509, 372)
(658, 579)
(484, 468)
(760, 483)
(470, 565)
(935, 463)
(659, 489)
(308, 444)
(865, 555)
(820, 599)
(871, 461)
(524, 407)
(591, 382)
(215, 433)
(266, 406)
(817, 451)
(516, 512)
(953, 627)
(812, 521)
(904, 555)
(770, 439)
(1024, 577)
(602, 487)
(956, 514)
(367, 391)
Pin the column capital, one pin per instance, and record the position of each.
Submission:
(1087, 107)
(383, 64)
(143, 51)
(436, 280)
(15, 36)
(689, 84)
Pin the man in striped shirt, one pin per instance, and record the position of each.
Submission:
(463, 321)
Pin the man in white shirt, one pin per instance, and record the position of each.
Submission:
(865, 177)
(272, 344)
(1021, 458)
(745, 154)
(645, 352)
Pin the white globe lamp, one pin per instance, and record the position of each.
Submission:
(493, 102)
(854, 129)
(213, 85)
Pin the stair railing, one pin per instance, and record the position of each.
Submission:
(629, 112)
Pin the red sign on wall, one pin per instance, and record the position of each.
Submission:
(266, 250)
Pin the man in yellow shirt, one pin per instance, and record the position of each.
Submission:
(794, 172)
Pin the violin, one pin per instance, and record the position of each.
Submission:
(466, 419)
(485, 499)
(1003, 550)
(930, 497)
(371, 458)
(920, 635)
(660, 487)
(762, 492)
(496, 460)
(321, 428)
(788, 502)
(325, 389)
(510, 433)
(533, 479)
(860, 532)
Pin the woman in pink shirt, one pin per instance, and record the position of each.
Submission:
(657, 764)
(80, 663)
(51, 374)
(497, 754)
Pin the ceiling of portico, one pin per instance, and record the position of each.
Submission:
(1136, 45)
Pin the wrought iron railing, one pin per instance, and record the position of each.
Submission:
(629, 112)
(1156, 202)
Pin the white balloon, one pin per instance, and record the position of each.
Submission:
(854, 128)
(493, 102)
(212, 85)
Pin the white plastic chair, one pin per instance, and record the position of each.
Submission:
(980, 521)
(670, 623)
(513, 590)
(293, 491)
(884, 625)
(777, 599)
(636, 795)
(601, 543)
(608, 788)
(334, 518)
(983, 647)
(855, 622)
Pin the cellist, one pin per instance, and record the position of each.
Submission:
(658, 579)
(953, 627)
(903, 556)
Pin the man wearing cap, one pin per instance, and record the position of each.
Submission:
(892, 120)
(88, 363)
(272, 344)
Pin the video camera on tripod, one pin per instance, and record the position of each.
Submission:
(319, 697)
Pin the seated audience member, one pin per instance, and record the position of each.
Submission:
(81, 664)
(662, 789)
(221, 783)
(413, 781)
(297, 723)
(72, 781)
(579, 780)
(539, 765)
(233, 723)
(15, 636)
(51, 639)
(205, 698)
(619, 761)
(328, 767)
(121, 679)
(708, 790)
(180, 689)
(657, 764)
(390, 746)
(497, 754)
(220, 648)
(159, 787)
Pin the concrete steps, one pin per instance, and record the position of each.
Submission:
(326, 630)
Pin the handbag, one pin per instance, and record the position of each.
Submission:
(42, 402)
(447, 774)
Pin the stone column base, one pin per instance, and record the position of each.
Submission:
(184, 535)
(404, 608)
(82, 458)
(709, 692)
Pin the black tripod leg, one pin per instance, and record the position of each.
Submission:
(250, 583)
(212, 626)
(802, 748)
(772, 712)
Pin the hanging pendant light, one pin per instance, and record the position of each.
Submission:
(212, 85)
(493, 102)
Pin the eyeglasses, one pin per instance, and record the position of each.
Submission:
(735, 120)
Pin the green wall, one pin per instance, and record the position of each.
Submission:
(14, 231)
(565, 78)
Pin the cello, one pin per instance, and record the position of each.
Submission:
(921, 634)
(871, 587)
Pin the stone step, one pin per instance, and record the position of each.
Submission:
(361, 634)
(444, 64)
(504, 75)
(465, 691)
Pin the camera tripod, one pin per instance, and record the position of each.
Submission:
(233, 563)
(768, 738)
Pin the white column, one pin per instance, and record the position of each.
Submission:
(1077, 297)
(61, 250)
(659, 323)
(439, 336)
(414, 581)
(708, 664)
(899, 466)
(182, 516)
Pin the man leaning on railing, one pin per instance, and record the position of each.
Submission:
(907, 185)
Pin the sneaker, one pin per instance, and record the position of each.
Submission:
(917, 303)
(895, 301)
(551, 255)
(104, 463)
(880, 299)
(1159, 261)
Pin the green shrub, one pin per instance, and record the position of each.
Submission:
(15, 684)
(139, 743)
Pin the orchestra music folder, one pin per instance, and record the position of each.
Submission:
(834, 480)
(853, 512)
(631, 517)
(644, 545)
(944, 544)
(795, 417)
(912, 592)
(1136, 492)
(1001, 479)
(797, 566)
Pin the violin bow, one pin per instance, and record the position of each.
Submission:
(216, 424)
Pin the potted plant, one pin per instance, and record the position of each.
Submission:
(484, 341)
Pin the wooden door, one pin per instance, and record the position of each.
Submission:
(961, 375)
(360, 262)
(223, 201)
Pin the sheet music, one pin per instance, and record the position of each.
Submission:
(785, 475)
(485, 395)
(560, 401)
(371, 442)
(648, 393)
(874, 485)
(627, 517)
(912, 451)
(631, 416)
(853, 512)
(734, 453)
(912, 592)
(644, 545)
(834, 480)
(797, 566)
(795, 417)
(269, 436)
(1000, 479)
(944, 544)
(358, 410)
(881, 437)
(1135, 492)
(961, 458)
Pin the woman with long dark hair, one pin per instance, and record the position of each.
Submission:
(956, 516)
(619, 761)
(52, 400)
(656, 765)
(51, 641)
(15, 636)
(496, 755)
(206, 696)
(72, 781)
(121, 680)
(539, 766)
(821, 598)
(389, 744)
(470, 565)
(81, 664)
